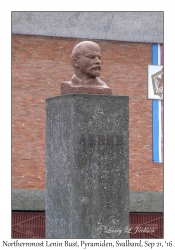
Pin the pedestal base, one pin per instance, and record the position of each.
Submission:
(87, 194)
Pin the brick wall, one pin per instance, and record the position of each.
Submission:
(39, 65)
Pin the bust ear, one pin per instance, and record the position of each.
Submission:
(74, 62)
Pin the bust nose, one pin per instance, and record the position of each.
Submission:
(97, 60)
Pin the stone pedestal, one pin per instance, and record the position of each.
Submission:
(87, 156)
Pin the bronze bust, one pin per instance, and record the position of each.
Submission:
(86, 62)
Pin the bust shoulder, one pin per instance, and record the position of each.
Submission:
(91, 86)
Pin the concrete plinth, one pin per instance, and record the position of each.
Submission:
(87, 158)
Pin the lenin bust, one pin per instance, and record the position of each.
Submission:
(86, 62)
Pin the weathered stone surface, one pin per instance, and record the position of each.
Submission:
(30, 200)
(87, 158)
(146, 202)
(27, 199)
(137, 26)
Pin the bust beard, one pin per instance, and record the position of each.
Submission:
(95, 82)
(85, 86)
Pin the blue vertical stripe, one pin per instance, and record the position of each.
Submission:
(155, 111)
(155, 53)
(155, 108)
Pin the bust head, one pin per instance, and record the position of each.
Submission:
(85, 60)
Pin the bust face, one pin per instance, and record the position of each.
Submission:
(87, 63)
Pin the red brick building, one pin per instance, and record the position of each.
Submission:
(39, 65)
